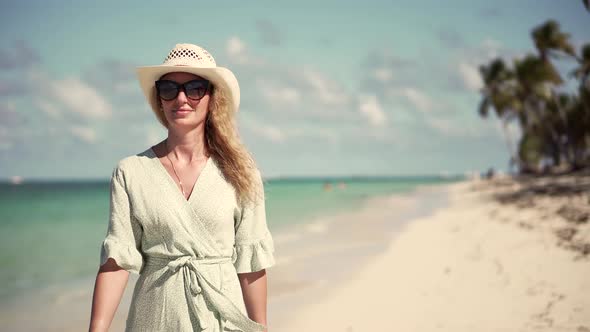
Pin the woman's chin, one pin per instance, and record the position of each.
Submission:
(184, 121)
(181, 116)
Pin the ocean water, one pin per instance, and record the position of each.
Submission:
(50, 232)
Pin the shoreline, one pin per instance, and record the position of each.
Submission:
(339, 247)
(469, 267)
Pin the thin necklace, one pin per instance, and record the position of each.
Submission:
(173, 168)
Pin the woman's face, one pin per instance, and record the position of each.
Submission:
(183, 111)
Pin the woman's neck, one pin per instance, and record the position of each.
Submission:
(187, 146)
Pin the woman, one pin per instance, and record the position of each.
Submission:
(187, 214)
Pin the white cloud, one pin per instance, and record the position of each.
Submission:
(465, 73)
(272, 133)
(326, 90)
(491, 47)
(442, 125)
(261, 128)
(282, 91)
(236, 49)
(417, 98)
(48, 108)
(237, 52)
(322, 133)
(470, 76)
(70, 95)
(125, 87)
(372, 110)
(278, 95)
(281, 132)
(465, 70)
(84, 133)
(383, 74)
(80, 98)
(457, 128)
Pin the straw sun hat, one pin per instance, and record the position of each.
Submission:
(192, 59)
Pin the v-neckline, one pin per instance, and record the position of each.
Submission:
(173, 183)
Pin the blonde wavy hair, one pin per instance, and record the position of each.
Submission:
(223, 142)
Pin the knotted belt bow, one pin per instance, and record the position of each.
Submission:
(197, 288)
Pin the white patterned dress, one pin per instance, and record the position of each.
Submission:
(187, 252)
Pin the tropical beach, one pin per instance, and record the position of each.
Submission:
(496, 254)
(417, 177)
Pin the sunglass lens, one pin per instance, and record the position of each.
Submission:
(196, 89)
(167, 90)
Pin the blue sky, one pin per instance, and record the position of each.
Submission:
(328, 87)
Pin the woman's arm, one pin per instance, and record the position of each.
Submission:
(254, 287)
(111, 281)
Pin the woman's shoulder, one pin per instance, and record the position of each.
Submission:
(131, 162)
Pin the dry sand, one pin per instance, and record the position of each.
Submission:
(477, 265)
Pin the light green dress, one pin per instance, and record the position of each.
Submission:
(187, 252)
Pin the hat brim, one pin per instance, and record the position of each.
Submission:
(220, 77)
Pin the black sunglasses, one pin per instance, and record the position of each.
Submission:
(169, 90)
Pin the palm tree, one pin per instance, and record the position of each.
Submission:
(498, 95)
(533, 149)
(555, 125)
(578, 114)
(550, 40)
(583, 72)
(536, 79)
(579, 110)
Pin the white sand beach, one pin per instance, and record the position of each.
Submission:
(476, 265)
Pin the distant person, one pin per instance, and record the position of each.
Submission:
(187, 214)
(327, 186)
(490, 173)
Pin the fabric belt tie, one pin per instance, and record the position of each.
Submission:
(197, 288)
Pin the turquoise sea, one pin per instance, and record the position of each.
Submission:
(50, 232)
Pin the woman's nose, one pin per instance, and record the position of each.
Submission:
(181, 96)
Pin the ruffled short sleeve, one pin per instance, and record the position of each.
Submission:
(254, 247)
(123, 238)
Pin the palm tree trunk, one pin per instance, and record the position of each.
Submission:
(568, 149)
(514, 158)
(533, 107)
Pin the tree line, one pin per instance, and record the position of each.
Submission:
(551, 109)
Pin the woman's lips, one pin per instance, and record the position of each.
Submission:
(182, 111)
